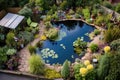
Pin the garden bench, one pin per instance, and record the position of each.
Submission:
(30, 23)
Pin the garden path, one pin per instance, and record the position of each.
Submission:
(97, 40)
(24, 53)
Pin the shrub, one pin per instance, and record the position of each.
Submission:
(2, 37)
(27, 12)
(118, 8)
(48, 25)
(103, 67)
(86, 13)
(55, 16)
(79, 11)
(90, 67)
(107, 49)
(96, 32)
(52, 74)
(99, 20)
(93, 47)
(71, 12)
(86, 62)
(107, 4)
(25, 36)
(10, 39)
(11, 51)
(114, 69)
(36, 64)
(112, 34)
(48, 18)
(52, 34)
(76, 71)
(65, 72)
(32, 49)
(84, 72)
(3, 56)
(68, 16)
(63, 5)
(115, 45)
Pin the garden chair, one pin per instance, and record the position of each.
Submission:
(30, 23)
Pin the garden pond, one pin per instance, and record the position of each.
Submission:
(58, 51)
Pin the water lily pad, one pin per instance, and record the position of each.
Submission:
(47, 61)
(56, 56)
(72, 56)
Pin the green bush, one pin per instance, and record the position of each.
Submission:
(32, 49)
(93, 47)
(52, 34)
(27, 12)
(63, 5)
(51, 74)
(2, 37)
(3, 56)
(86, 13)
(118, 8)
(71, 12)
(36, 64)
(91, 74)
(103, 67)
(11, 51)
(99, 20)
(48, 25)
(77, 71)
(107, 4)
(79, 11)
(114, 67)
(96, 31)
(55, 16)
(10, 39)
(112, 34)
(25, 36)
(65, 71)
(115, 45)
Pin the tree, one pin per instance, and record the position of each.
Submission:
(65, 72)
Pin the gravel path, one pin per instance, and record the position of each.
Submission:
(24, 54)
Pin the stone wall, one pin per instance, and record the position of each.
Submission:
(109, 11)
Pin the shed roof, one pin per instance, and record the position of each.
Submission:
(11, 20)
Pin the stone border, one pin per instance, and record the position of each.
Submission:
(23, 74)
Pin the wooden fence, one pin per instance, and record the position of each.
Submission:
(11, 10)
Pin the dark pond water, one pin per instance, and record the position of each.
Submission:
(69, 32)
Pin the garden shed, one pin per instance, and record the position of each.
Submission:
(11, 20)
